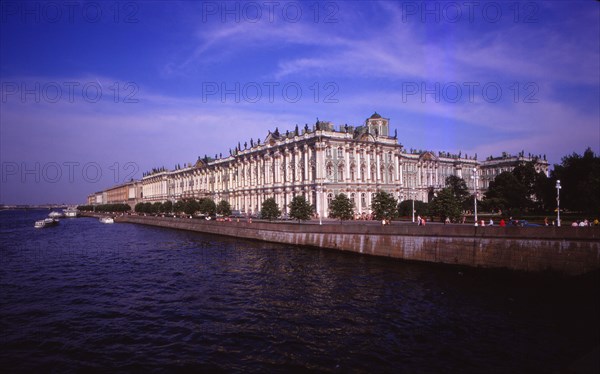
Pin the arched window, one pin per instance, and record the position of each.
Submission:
(329, 171)
(340, 152)
(363, 200)
(341, 172)
(328, 152)
(352, 176)
(329, 199)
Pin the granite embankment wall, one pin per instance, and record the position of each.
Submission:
(565, 250)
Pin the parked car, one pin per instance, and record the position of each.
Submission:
(237, 214)
(522, 223)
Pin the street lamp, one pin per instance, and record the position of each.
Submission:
(558, 187)
(475, 195)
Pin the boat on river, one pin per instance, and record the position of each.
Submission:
(46, 222)
(107, 220)
(71, 212)
(55, 214)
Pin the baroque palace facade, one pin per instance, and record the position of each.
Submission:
(319, 163)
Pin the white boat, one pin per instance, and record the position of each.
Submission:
(55, 214)
(107, 220)
(71, 212)
(46, 222)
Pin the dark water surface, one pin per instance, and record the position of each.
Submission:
(89, 296)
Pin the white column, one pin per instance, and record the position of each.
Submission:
(305, 154)
(378, 166)
(368, 167)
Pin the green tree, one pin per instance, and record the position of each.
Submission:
(207, 206)
(191, 206)
(341, 207)
(507, 192)
(526, 175)
(167, 206)
(157, 207)
(579, 177)
(445, 205)
(223, 208)
(270, 209)
(458, 187)
(300, 209)
(179, 206)
(405, 208)
(384, 206)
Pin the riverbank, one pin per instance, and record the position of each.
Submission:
(564, 250)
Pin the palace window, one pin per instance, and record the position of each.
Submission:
(340, 152)
(363, 200)
(328, 152)
(341, 172)
(329, 171)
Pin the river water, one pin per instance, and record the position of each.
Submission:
(86, 296)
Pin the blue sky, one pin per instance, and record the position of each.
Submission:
(94, 92)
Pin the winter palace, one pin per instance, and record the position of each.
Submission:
(317, 162)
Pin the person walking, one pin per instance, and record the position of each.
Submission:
(502, 222)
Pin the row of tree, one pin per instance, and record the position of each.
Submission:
(105, 208)
(190, 206)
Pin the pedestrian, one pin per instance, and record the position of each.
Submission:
(447, 220)
(491, 222)
(502, 222)
(482, 223)
(545, 221)
(464, 219)
(422, 221)
(419, 220)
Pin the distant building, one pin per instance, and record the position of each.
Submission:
(126, 193)
(493, 166)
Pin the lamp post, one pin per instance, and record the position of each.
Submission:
(558, 187)
(475, 194)
(412, 190)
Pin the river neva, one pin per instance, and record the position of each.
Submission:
(91, 296)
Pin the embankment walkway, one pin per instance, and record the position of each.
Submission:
(565, 250)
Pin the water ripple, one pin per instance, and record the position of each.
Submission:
(90, 297)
